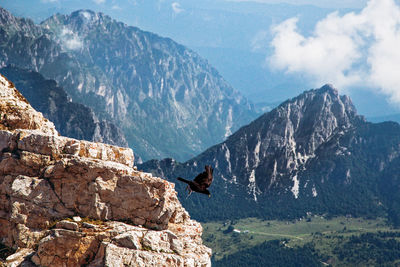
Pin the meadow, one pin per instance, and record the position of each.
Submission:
(331, 240)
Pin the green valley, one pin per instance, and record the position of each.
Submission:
(312, 241)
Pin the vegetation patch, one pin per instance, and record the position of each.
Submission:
(312, 241)
(272, 253)
(91, 221)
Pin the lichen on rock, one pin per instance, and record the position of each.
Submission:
(46, 179)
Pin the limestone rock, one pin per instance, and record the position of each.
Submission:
(116, 244)
(16, 113)
(64, 224)
(47, 181)
(129, 240)
(19, 257)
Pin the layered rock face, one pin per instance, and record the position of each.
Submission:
(46, 180)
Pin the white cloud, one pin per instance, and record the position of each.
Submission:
(116, 7)
(176, 7)
(48, 1)
(70, 40)
(354, 49)
(99, 1)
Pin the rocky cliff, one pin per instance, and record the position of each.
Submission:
(65, 202)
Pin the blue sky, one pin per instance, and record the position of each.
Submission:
(319, 3)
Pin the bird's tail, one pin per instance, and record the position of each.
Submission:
(183, 180)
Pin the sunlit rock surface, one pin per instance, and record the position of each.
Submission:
(131, 218)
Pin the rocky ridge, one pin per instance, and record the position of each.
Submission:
(49, 182)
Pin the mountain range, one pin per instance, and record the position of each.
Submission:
(311, 154)
(168, 101)
(233, 35)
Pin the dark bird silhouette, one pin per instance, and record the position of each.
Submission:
(201, 182)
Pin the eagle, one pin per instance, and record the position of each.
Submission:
(201, 182)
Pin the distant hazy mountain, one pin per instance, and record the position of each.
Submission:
(71, 119)
(392, 117)
(312, 153)
(233, 35)
(168, 100)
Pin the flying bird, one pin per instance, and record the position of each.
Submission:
(201, 182)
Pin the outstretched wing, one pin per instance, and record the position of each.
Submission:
(205, 178)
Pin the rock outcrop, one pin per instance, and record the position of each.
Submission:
(48, 183)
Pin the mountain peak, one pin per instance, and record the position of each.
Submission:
(323, 101)
(86, 15)
(329, 89)
(325, 90)
(277, 145)
(78, 23)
